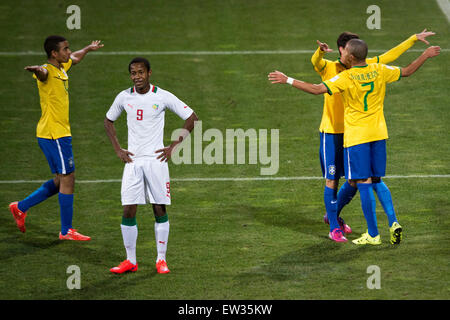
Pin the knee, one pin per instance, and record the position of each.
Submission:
(129, 211)
(159, 210)
(66, 178)
(332, 184)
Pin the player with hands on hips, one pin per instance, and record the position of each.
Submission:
(146, 173)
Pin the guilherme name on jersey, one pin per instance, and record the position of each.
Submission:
(364, 76)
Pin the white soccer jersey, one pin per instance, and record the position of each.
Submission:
(145, 117)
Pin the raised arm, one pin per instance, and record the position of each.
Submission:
(317, 59)
(281, 78)
(430, 52)
(40, 72)
(77, 56)
(397, 51)
(166, 153)
(123, 154)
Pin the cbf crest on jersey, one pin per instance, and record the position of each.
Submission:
(155, 106)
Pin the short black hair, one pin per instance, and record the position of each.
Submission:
(357, 48)
(52, 43)
(345, 37)
(139, 60)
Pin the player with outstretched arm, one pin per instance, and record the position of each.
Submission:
(146, 172)
(331, 130)
(363, 88)
(54, 134)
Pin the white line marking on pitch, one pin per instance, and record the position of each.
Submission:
(233, 179)
(190, 53)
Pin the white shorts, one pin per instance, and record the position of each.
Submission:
(145, 181)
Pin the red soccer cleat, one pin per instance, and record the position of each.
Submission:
(18, 215)
(125, 266)
(72, 234)
(161, 266)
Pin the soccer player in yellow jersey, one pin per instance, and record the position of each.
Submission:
(53, 133)
(362, 88)
(331, 135)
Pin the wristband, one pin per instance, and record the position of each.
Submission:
(290, 81)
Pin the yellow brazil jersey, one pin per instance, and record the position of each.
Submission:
(54, 100)
(362, 90)
(333, 107)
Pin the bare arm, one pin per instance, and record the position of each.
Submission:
(430, 52)
(279, 77)
(77, 56)
(123, 154)
(166, 153)
(40, 72)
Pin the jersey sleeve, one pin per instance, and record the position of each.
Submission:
(336, 84)
(394, 53)
(390, 73)
(177, 106)
(397, 51)
(116, 108)
(318, 62)
(373, 60)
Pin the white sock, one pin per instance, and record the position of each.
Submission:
(129, 235)
(161, 236)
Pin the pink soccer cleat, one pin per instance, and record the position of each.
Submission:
(344, 227)
(337, 235)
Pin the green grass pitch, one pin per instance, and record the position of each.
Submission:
(228, 239)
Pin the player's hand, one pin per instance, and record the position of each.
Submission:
(423, 35)
(324, 47)
(432, 51)
(277, 77)
(40, 72)
(34, 69)
(165, 153)
(124, 155)
(95, 45)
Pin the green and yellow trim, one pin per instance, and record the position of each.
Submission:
(329, 91)
(360, 66)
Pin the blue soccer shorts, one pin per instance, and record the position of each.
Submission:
(332, 155)
(365, 160)
(59, 154)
